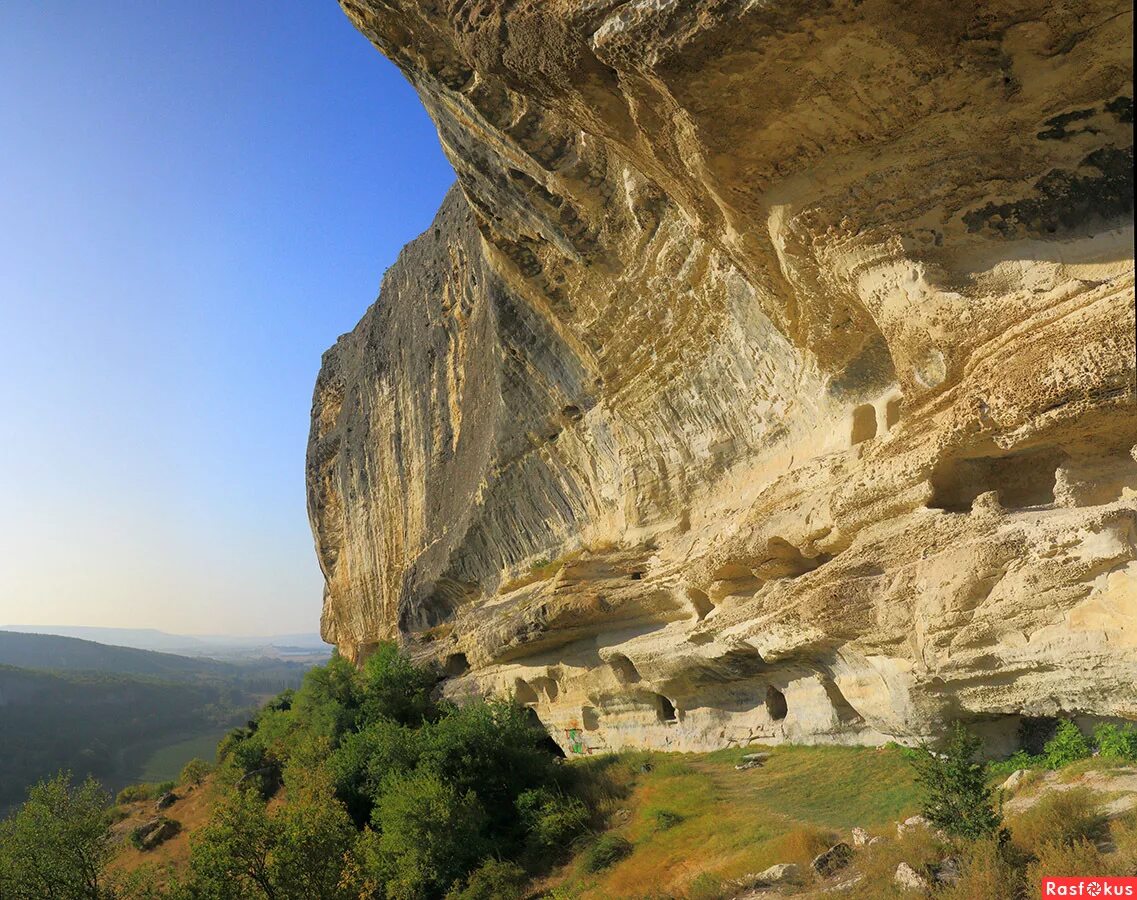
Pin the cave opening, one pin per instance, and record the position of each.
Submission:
(623, 668)
(1020, 480)
(864, 423)
(776, 703)
(665, 710)
(456, 664)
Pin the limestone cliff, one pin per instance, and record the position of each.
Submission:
(768, 375)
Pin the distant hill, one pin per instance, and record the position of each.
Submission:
(45, 651)
(220, 646)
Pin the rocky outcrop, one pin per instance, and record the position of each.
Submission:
(769, 375)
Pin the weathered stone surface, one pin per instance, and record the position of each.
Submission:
(832, 860)
(769, 376)
(908, 879)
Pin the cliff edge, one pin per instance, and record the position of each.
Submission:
(769, 374)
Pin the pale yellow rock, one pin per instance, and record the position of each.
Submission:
(770, 375)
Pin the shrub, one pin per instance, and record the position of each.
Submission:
(494, 879)
(1063, 817)
(1018, 760)
(431, 835)
(550, 819)
(1067, 860)
(956, 796)
(666, 819)
(1068, 745)
(608, 850)
(707, 886)
(194, 771)
(1116, 743)
(987, 871)
(133, 793)
(394, 688)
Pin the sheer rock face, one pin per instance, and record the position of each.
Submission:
(768, 376)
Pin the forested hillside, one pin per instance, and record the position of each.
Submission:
(102, 711)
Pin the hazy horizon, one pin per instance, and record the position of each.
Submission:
(196, 201)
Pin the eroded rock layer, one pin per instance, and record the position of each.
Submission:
(768, 375)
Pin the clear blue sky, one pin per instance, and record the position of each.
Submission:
(196, 199)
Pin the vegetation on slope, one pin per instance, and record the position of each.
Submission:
(107, 711)
(360, 785)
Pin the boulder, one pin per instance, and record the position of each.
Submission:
(832, 860)
(167, 800)
(948, 871)
(909, 879)
(861, 837)
(1014, 781)
(911, 824)
(155, 832)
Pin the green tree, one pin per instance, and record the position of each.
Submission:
(396, 689)
(58, 844)
(956, 795)
(430, 836)
(297, 852)
(194, 771)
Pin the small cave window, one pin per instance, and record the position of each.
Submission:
(892, 412)
(776, 703)
(864, 423)
(456, 664)
(623, 668)
(572, 413)
(636, 576)
(523, 692)
(665, 710)
(590, 718)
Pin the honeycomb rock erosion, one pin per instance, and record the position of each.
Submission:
(769, 374)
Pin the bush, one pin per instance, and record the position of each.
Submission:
(1116, 743)
(1068, 745)
(134, 793)
(550, 819)
(430, 835)
(666, 819)
(1080, 858)
(394, 688)
(956, 796)
(608, 850)
(987, 871)
(1063, 817)
(194, 771)
(494, 879)
(1018, 760)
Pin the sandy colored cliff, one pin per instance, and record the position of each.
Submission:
(769, 374)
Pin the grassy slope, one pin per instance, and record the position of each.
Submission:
(736, 822)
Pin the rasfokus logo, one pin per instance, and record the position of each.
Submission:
(1089, 887)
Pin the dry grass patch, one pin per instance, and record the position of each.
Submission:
(1062, 817)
